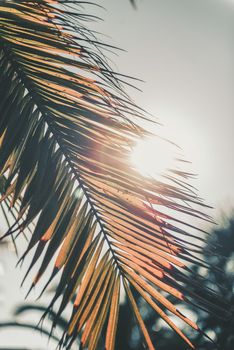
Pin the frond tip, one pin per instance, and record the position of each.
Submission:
(67, 129)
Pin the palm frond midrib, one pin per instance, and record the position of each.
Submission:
(87, 134)
(49, 122)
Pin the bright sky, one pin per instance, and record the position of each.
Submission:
(183, 50)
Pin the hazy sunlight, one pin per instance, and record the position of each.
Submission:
(153, 156)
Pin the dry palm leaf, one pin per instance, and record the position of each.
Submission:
(66, 133)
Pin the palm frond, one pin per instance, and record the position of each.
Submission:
(26, 326)
(67, 130)
(133, 3)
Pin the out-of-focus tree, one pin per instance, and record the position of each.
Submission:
(221, 331)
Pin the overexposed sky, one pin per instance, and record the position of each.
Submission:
(184, 51)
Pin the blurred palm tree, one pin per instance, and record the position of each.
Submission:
(67, 130)
(222, 330)
(223, 281)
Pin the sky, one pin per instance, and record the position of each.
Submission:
(183, 50)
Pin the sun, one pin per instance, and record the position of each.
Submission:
(153, 156)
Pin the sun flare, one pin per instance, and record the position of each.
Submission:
(152, 156)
